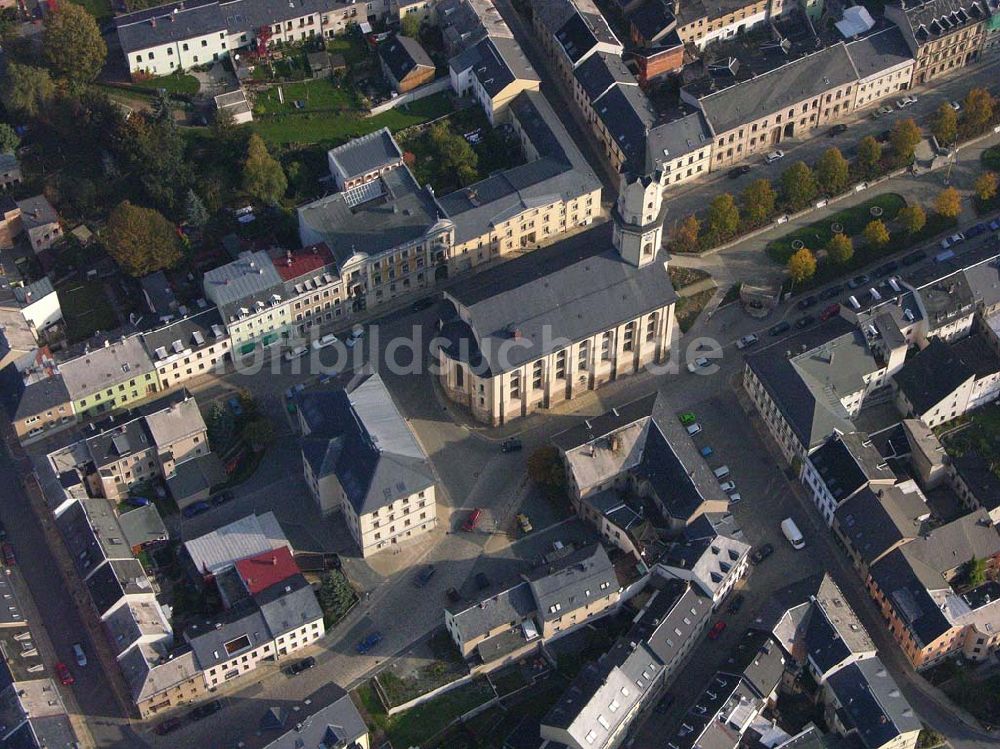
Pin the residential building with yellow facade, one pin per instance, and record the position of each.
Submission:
(116, 375)
(942, 34)
(360, 457)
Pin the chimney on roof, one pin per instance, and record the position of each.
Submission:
(274, 560)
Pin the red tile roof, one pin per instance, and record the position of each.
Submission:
(303, 262)
(266, 569)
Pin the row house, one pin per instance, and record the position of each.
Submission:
(701, 23)
(493, 72)
(177, 36)
(884, 64)
(187, 348)
(942, 35)
(548, 326)
(116, 375)
(570, 31)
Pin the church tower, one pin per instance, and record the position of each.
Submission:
(638, 217)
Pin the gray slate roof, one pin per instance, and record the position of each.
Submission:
(402, 55)
(601, 71)
(978, 475)
(362, 439)
(878, 52)
(677, 138)
(778, 89)
(497, 62)
(249, 279)
(365, 154)
(288, 605)
(931, 375)
(335, 725)
(106, 366)
(875, 522)
(206, 326)
(628, 117)
(870, 699)
(153, 27)
(142, 525)
(38, 396)
(573, 581)
(208, 639)
(934, 19)
(578, 287)
(512, 605)
(847, 462)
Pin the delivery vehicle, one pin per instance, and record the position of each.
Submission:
(323, 341)
(296, 353)
(793, 534)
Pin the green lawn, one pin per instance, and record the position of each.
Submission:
(981, 436)
(817, 234)
(981, 698)
(316, 96)
(332, 130)
(351, 47)
(175, 83)
(85, 309)
(99, 9)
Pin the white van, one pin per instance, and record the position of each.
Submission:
(855, 304)
(296, 353)
(721, 472)
(792, 533)
(694, 429)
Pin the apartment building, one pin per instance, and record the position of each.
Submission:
(700, 23)
(844, 465)
(572, 30)
(515, 211)
(159, 681)
(313, 287)
(493, 71)
(364, 159)
(884, 65)
(249, 293)
(336, 724)
(577, 588)
(118, 374)
(177, 36)
(942, 34)
(40, 222)
(754, 115)
(150, 445)
(193, 346)
(863, 702)
(710, 559)
(36, 398)
(27, 311)
(547, 326)
(360, 457)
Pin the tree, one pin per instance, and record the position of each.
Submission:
(986, 186)
(758, 202)
(161, 107)
(948, 203)
(546, 469)
(26, 89)
(410, 25)
(944, 125)
(904, 137)
(73, 44)
(832, 171)
(259, 432)
(684, 237)
(912, 218)
(798, 186)
(140, 239)
(263, 177)
(869, 156)
(9, 140)
(452, 155)
(975, 574)
(802, 265)
(194, 210)
(876, 233)
(723, 218)
(977, 111)
(840, 248)
(335, 597)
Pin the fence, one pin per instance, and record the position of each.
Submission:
(441, 84)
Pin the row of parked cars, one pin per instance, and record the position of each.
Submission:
(690, 422)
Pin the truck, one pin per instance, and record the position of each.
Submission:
(792, 533)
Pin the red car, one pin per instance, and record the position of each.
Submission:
(472, 521)
(716, 631)
(832, 311)
(65, 677)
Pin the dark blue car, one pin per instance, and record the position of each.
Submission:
(196, 509)
(138, 501)
(369, 642)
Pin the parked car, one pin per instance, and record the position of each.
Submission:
(747, 341)
(832, 311)
(831, 291)
(693, 429)
(65, 676)
(168, 726)
(234, 406)
(222, 497)
(357, 333)
(914, 257)
(700, 363)
(425, 576)
(728, 486)
(323, 341)
(761, 553)
(735, 498)
(196, 509)
(473, 520)
(807, 301)
(805, 321)
(858, 281)
(81, 657)
(836, 130)
(422, 304)
(203, 711)
(955, 105)
(738, 171)
(976, 229)
(304, 665)
(717, 629)
(297, 352)
(482, 582)
(995, 224)
(948, 242)
(774, 156)
(369, 642)
(735, 604)
(135, 502)
(8, 555)
(782, 327)
(524, 522)
(905, 102)
(688, 417)
(511, 445)
(706, 451)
